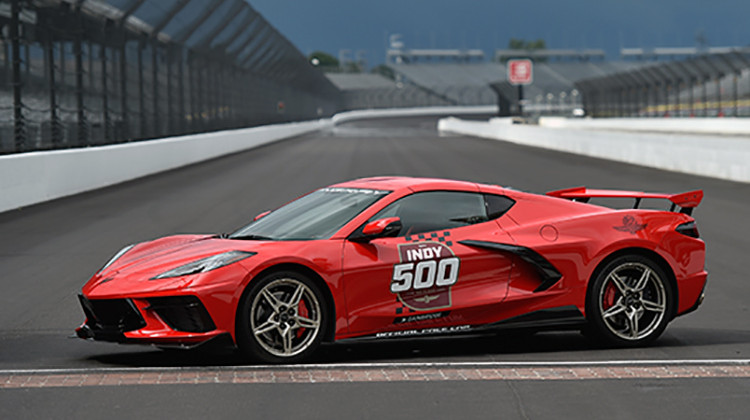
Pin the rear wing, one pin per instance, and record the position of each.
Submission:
(687, 201)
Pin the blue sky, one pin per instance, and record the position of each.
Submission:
(331, 25)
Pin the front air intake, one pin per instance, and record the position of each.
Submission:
(116, 315)
(182, 313)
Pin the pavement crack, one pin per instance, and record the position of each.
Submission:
(519, 400)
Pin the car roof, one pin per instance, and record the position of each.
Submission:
(393, 183)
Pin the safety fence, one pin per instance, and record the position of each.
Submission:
(708, 85)
(78, 73)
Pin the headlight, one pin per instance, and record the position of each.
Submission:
(206, 264)
(116, 257)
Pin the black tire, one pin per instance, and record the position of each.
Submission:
(272, 328)
(630, 302)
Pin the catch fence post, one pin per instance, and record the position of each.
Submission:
(19, 123)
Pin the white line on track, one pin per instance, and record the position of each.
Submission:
(354, 366)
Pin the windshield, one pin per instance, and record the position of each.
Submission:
(317, 215)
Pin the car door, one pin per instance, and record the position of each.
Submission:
(425, 277)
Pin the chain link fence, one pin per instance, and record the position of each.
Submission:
(80, 73)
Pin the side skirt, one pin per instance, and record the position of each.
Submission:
(564, 317)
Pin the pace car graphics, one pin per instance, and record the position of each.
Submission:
(423, 277)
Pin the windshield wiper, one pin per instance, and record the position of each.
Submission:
(251, 237)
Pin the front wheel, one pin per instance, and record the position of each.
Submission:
(282, 318)
(630, 303)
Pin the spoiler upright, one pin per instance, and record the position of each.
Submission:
(687, 201)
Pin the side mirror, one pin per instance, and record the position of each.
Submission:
(380, 228)
(262, 215)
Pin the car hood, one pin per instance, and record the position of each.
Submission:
(135, 270)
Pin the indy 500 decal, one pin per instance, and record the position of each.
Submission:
(423, 278)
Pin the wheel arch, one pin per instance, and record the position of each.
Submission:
(644, 252)
(314, 276)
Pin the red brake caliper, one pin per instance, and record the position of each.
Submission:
(302, 312)
(609, 296)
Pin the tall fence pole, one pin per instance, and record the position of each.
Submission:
(736, 95)
(105, 86)
(78, 52)
(124, 90)
(141, 91)
(155, 85)
(54, 118)
(170, 113)
(19, 124)
(719, 110)
(181, 90)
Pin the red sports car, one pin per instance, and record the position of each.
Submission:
(402, 257)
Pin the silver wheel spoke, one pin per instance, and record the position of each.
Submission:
(643, 280)
(652, 306)
(614, 310)
(632, 322)
(306, 322)
(265, 327)
(621, 286)
(271, 299)
(296, 296)
(286, 339)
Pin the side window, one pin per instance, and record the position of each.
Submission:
(497, 205)
(436, 210)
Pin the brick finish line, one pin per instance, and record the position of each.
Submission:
(367, 374)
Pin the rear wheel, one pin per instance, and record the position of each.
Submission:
(282, 318)
(630, 303)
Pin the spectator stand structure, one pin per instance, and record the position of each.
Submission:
(462, 78)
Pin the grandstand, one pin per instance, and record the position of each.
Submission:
(454, 77)
(644, 82)
(365, 91)
(472, 83)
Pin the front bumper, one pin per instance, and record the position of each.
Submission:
(180, 321)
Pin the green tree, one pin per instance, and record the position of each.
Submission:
(323, 59)
(384, 71)
(524, 45)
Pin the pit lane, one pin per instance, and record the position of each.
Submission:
(49, 250)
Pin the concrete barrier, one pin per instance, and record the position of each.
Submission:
(29, 178)
(35, 177)
(720, 126)
(725, 157)
(412, 112)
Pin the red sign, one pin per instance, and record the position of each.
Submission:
(520, 72)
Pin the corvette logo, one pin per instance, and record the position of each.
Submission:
(423, 278)
(630, 225)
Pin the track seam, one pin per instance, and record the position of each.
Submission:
(366, 366)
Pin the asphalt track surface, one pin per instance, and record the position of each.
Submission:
(48, 251)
